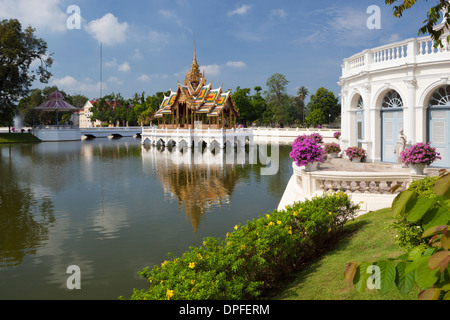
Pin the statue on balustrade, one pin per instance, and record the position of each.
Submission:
(400, 146)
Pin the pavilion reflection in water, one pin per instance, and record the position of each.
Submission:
(199, 181)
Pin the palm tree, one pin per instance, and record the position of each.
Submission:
(302, 93)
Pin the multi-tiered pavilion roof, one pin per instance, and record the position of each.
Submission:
(195, 100)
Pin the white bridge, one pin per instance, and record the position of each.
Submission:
(113, 132)
(196, 137)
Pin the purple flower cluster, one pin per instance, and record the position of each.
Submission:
(355, 152)
(317, 137)
(337, 134)
(306, 150)
(331, 148)
(420, 153)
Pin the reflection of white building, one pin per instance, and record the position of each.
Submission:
(85, 116)
(403, 85)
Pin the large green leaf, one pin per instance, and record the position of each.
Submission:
(418, 207)
(361, 276)
(388, 273)
(404, 281)
(425, 277)
(400, 202)
(442, 186)
(436, 217)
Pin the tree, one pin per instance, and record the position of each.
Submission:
(433, 18)
(242, 101)
(302, 93)
(325, 101)
(277, 98)
(18, 50)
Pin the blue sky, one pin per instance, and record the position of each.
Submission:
(148, 45)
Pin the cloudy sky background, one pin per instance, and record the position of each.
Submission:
(148, 44)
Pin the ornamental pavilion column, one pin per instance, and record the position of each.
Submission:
(410, 128)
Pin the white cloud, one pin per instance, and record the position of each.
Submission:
(236, 64)
(144, 78)
(339, 26)
(111, 63)
(108, 30)
(44, 15)
(167, 14)
(279, 13)
(71, 85)
(240, 11)
(115, 80)
(211, 70)
(124, 67)
(137, 54)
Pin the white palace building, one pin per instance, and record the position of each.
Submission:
(403, 85)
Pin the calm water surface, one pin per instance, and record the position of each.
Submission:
(113, 207)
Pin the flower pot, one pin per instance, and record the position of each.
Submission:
(333, 155)
(356, 160)
(417, 168)
(311, 166)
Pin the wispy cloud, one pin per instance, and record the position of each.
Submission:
(278, 13)
(72, 85)
(236, 64)
(240, 11)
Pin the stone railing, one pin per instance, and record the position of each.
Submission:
(374, 190)
(411, 51)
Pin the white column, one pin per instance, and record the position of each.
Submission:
(368, 141)
(410, 116)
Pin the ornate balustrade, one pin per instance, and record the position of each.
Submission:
(411, 51)
(372, 189)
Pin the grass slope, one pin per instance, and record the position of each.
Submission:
(369, 238)
(17, 138)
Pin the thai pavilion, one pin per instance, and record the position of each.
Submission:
(196, 101)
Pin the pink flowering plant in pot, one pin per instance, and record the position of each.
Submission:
(355, 152)
(317, 137)
(331, 148)
(305, 151)
(420, 153)
(337, 134)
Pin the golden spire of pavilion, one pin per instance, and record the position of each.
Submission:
(194, 76)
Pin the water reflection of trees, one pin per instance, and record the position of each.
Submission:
(198, 187)
(25, 217)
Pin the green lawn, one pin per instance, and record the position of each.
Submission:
(17, 138)
(369, 238)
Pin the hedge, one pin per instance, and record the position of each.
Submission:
(254, 257)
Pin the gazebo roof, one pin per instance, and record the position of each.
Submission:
(56, 103)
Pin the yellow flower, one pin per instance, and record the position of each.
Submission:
(164, 263)
(236, 227)
(169, 294)
(192, 265)
(200, 256)
(192, 281)
(295, 213)
(290, 230)
(228, 234)
(267, 216)
(330, 213)
(329, 230)
(243, 247)
(270, 224)
(278, 222)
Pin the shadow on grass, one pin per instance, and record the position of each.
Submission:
(311, 266)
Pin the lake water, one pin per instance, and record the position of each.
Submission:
(113, 207)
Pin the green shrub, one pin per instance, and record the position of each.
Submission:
(253, 257)
(409, 235)
(424, 187)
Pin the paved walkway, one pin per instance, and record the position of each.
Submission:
(340, 164)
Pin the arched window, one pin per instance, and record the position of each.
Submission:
(440, 97)
(360, 104)
(392, 100)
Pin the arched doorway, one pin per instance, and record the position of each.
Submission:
(438, 124)
(391, 123)
(359, 122)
